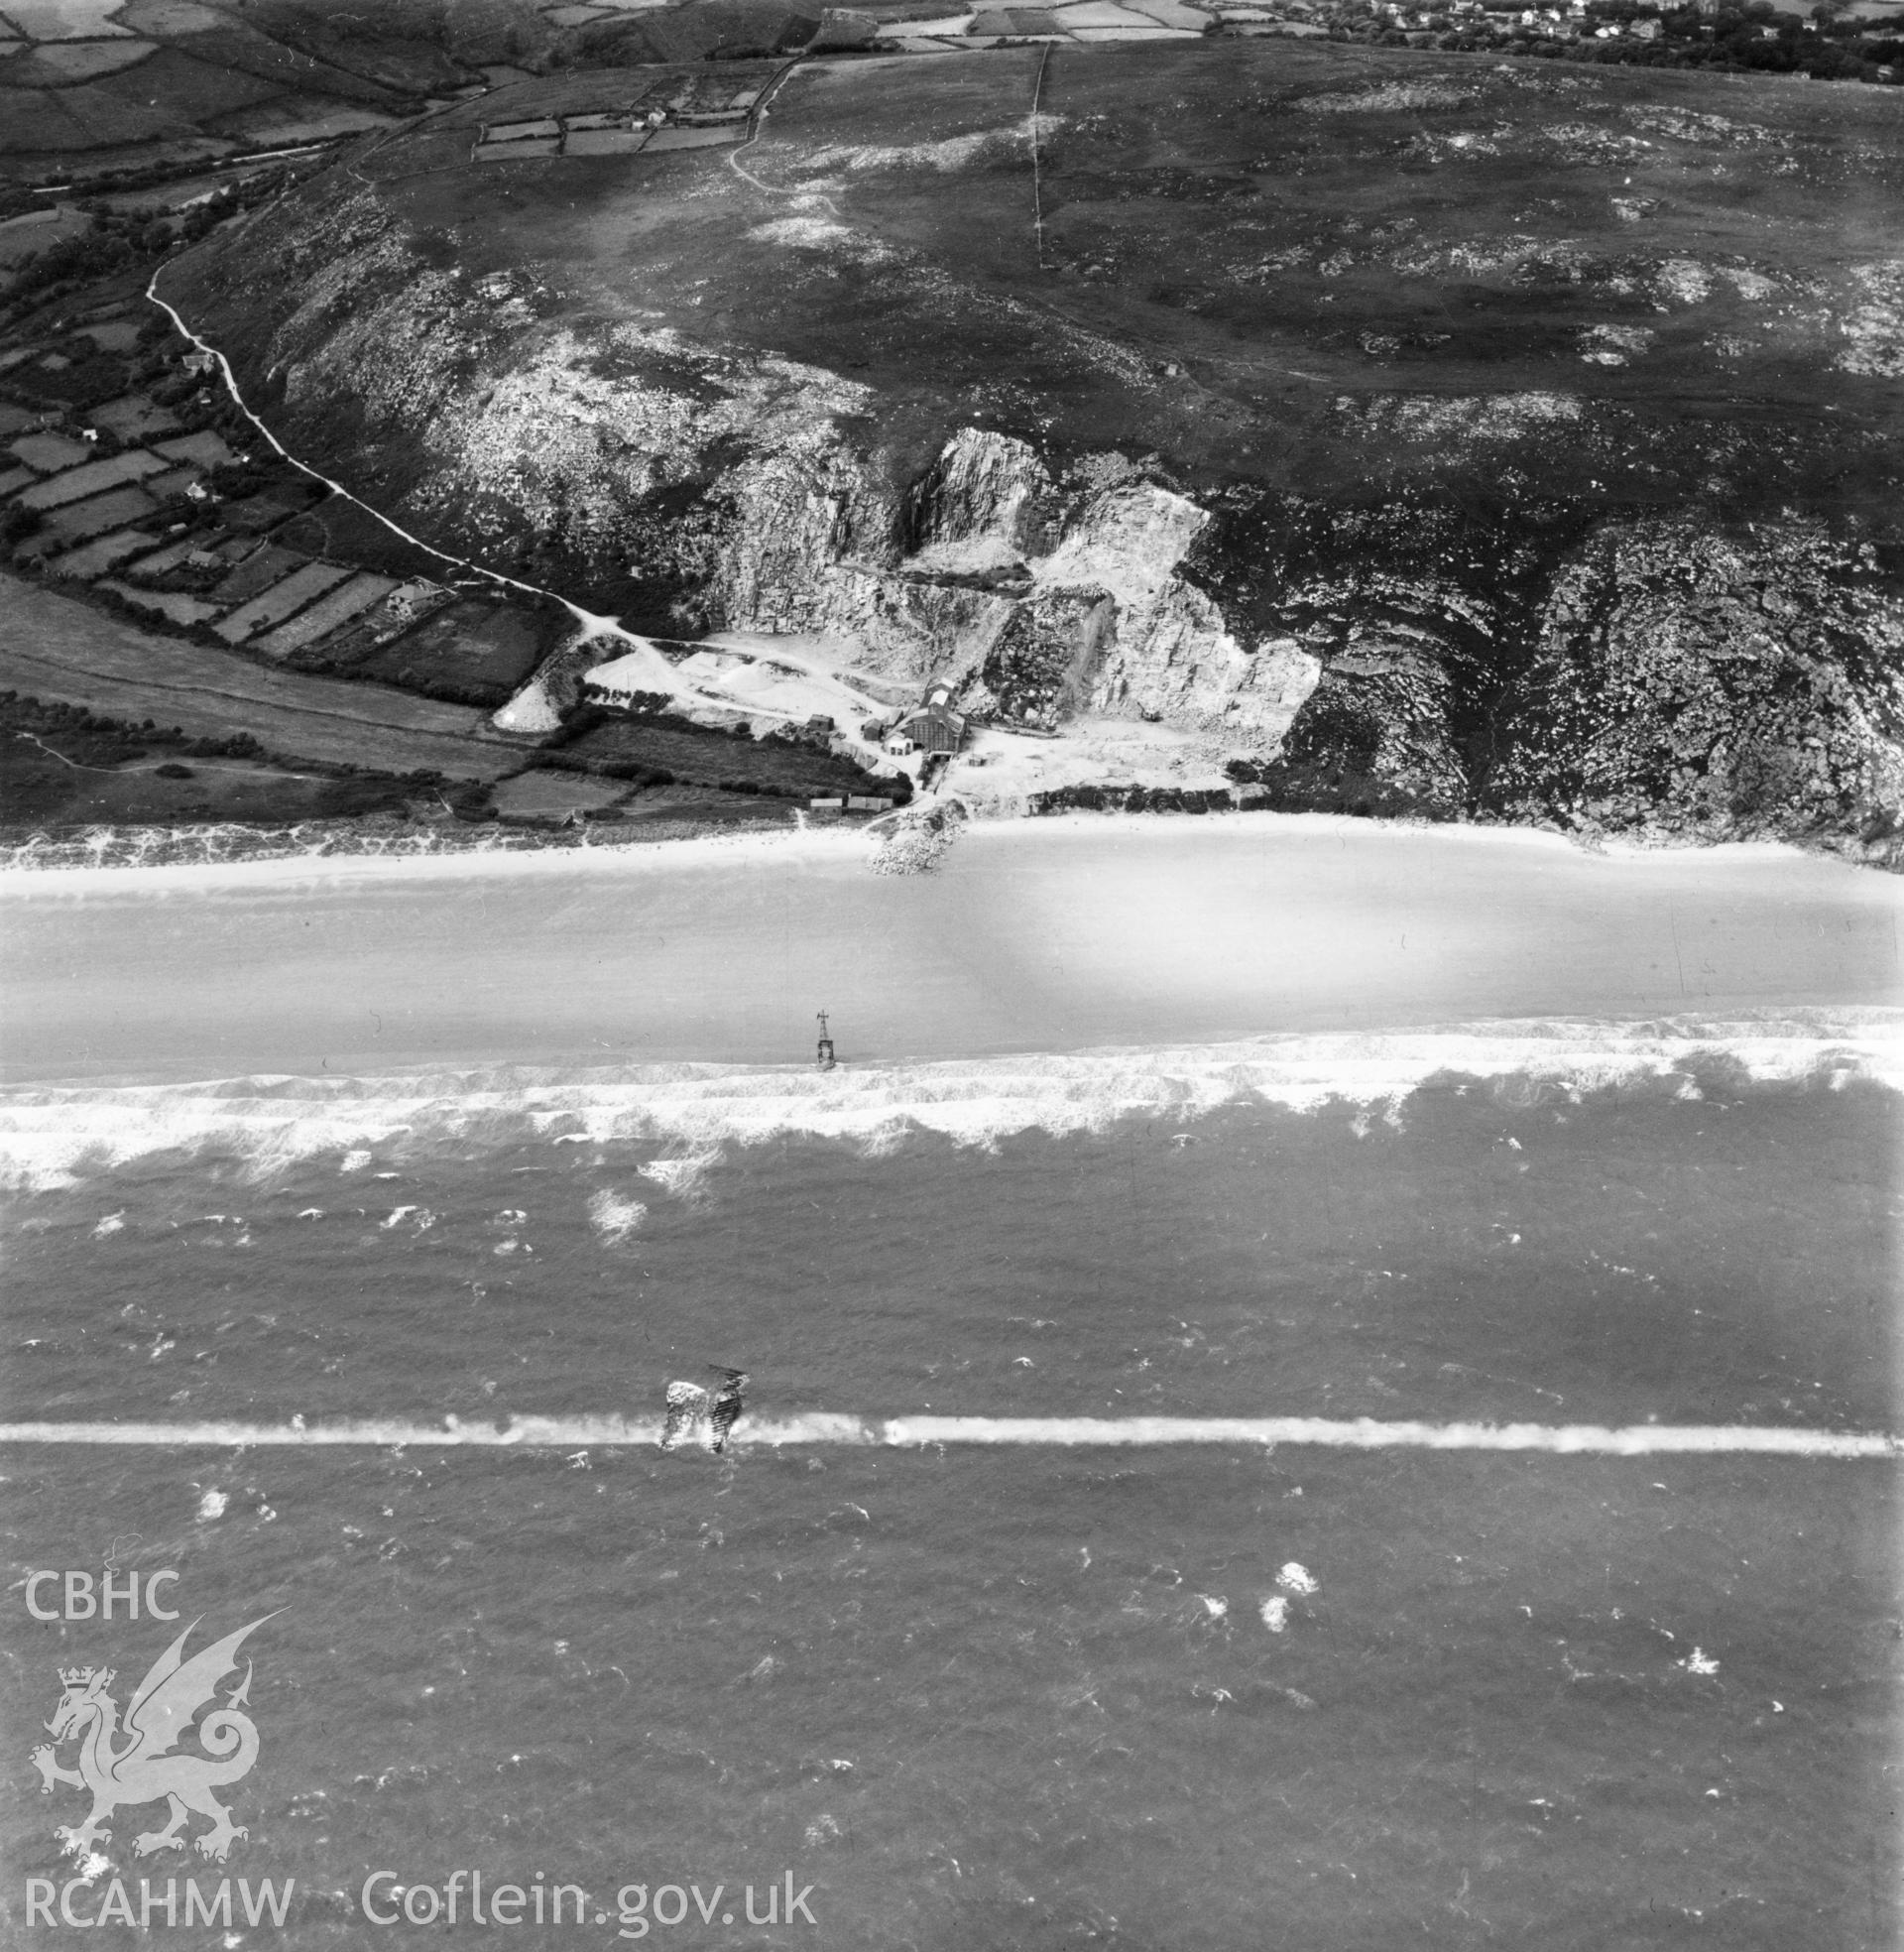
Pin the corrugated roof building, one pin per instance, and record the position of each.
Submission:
(934, 728)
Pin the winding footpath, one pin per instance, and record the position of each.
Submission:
(588, 625)
(757, 124)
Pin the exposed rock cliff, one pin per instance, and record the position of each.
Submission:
(1714, 685)
(1189, 453)
(1040, 599)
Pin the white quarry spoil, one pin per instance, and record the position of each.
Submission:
(1011, 572)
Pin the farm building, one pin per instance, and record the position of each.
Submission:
(934, 728)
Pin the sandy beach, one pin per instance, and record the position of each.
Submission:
(1034, 935)
(1126, 1433)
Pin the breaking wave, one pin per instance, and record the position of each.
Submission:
(685, 1178)
(52, 1134)
(825, 1428)
(615, 1218)
(219, 843)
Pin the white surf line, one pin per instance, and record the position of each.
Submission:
(1010, 1432)
(590, 624)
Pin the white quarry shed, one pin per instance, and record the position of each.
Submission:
(934, 728)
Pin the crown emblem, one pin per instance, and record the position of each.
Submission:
(136, 1759)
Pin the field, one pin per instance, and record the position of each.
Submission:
(94, 559)
(358, 594)
(629, 746)
(60, 20)
(41, 793)
(474, 653)
(91, 518)
(92, 479)
(53, 647)
(22, 236)
(134, 418)
(61, 63)
(256, 572)
(276, 605)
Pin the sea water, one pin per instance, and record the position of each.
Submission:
(1029, 1696)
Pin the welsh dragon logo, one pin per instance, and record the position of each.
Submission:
(145, 1767)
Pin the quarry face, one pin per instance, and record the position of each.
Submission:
(1410, 434)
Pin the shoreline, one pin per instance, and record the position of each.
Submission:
(514, 852)
(1037, 935)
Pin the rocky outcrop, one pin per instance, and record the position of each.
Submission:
(1383, 713)
(1503, 656)
(1040, 666)
(1717, 685)
(1039, 600)
(984, 508)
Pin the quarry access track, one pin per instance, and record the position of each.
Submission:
(757, 116)
(588, 625)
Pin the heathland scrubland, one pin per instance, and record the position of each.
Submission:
(1413, 434)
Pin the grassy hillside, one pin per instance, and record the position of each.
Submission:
(1412, 330)
(1301, 267)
